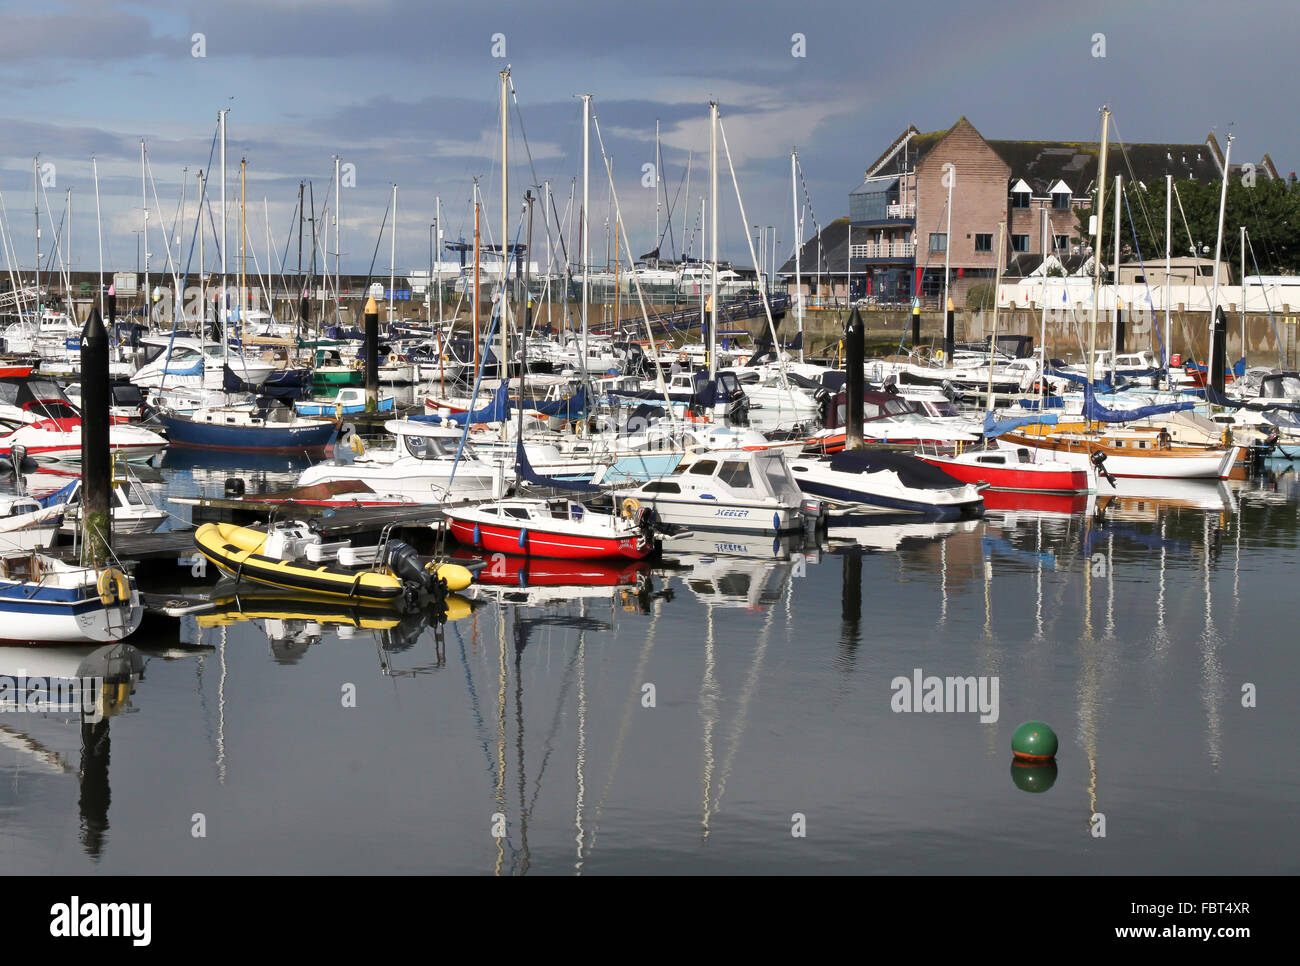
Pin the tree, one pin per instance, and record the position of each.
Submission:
(1270, 210)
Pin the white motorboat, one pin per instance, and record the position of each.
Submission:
(423, 466)
(192, 363)
(745, 491)
(878, 481)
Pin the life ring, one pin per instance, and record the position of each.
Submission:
(682, 357)
(113, 586)
(394, 358)
(630, 506)
(358, 447)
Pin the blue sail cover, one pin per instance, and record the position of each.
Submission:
(571, 408)
(494, 412)
(62, 495)
(526, 474)
(996, 427)
(1097, 413)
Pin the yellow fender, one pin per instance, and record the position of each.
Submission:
(113, 586)
(457, 577)
(358, 447)
(630, 506)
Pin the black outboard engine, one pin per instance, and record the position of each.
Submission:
(1098, 460)
(403, 561)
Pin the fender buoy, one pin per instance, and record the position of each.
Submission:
(478, 536)
(630, 506)
(358, 446)
(523, 539)
(113, 586)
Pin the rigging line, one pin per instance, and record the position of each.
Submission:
(1147, 285)
(749, 241)
(640, 292)
(1188, 337)
(1250, 245)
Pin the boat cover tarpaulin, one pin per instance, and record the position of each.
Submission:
(911, 471)
(526, 474)
(996, 427)
(494, 412)
(61, 495)
(1096, 412)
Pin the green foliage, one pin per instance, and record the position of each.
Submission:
(1270, 210)
(981, 296)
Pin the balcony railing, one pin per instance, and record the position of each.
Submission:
(901, 211)
(883, 250)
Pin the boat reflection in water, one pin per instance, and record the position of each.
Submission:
(293, 623)
(45, 689)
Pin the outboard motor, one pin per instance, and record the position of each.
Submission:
(1098, 460)
(403, 561)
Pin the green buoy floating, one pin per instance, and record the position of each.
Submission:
(1034, 741)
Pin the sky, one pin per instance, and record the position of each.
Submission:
(407, 93)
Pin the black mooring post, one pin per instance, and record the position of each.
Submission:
(96, 467)
(916, 324)
(1120, 324)
(949, 332)
(854, 350)
(372, 355)
(1219, 351)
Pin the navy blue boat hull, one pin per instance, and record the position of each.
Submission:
(312, 440)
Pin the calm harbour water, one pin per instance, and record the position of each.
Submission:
(1131, 627)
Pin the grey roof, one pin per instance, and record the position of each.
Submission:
(834, 251)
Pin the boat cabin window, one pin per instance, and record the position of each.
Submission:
(661, 486)
(424, 447)
(490, 511)
(1023, 456)
(999, 460)
(735, 473)
(516, 513)
(703, 467)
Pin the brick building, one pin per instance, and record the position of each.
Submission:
(892, 245)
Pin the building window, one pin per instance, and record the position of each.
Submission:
(1020, 243)
(1061, 201)
(1061, 243)
(984, 243)
(938, 241)
(1020, 199)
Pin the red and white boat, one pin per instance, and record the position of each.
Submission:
(1012, 469)
(551, 528)
(36, 415)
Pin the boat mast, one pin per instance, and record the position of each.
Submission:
(798, 246)
(1096, 247)
(474, 302)
(203, 302)
(1114, 308)
(1243, 301)
(221, 117)
(993, 336)
(713, 236)
(505, 239)
(392, 259)
(586, 224)
(243, 255)
(1169, 235)
(1218, 246)
(338, 283)
(656, 244)
(144, 205)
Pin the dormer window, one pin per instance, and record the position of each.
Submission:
(1020, 195)
(1061, 196)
